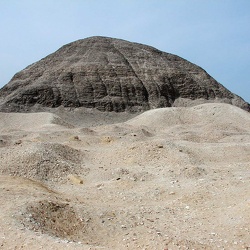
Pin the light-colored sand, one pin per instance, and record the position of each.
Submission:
(174, 178)
(10, 122)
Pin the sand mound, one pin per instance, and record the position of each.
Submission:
(42, 161)
(29, 121)
(215, 113)
(202, 123)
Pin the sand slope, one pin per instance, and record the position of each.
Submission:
(29, 121)
(172, 178)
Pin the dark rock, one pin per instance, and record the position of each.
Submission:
(112, 75)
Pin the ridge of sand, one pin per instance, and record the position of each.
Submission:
(214, 113)
(29, 121)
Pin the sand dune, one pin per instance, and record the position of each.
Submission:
(171, 178)
(214, 114)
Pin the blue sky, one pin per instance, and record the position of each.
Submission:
(213, 34)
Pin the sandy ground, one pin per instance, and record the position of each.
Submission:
(174, 178)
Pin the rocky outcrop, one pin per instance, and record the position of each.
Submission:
(112, 75)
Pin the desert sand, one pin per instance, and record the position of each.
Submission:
(170, 178)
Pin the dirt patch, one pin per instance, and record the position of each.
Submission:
(53, 218)
(192, 172)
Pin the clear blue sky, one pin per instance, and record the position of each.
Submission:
(214, 34)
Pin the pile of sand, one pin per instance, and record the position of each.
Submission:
(41, 161)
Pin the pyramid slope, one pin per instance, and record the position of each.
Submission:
(112, 75)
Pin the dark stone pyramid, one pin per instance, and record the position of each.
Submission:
(112, 75)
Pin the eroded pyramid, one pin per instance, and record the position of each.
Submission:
(112, 75)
